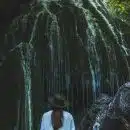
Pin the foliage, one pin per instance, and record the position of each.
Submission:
(120, 8)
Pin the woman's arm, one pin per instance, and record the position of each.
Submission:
(42, 124)
(72, 127)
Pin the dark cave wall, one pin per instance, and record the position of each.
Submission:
(9, 9)
(11, 82)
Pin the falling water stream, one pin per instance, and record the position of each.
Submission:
(26, 57)
(72, 47)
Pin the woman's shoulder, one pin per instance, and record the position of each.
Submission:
(67, 115)
(48, 113)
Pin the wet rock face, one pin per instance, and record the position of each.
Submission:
(116, 107)
(96, 112)
(73, 26)
(61, 47)
(120, 106)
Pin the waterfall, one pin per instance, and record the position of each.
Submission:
(26, 65)
(71, 47)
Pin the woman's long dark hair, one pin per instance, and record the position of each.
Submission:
(57, 123)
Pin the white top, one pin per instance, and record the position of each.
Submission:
(68, 121)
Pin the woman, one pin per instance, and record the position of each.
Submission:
(57, 118)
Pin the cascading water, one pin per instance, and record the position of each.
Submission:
(72, 47)
(26, 57)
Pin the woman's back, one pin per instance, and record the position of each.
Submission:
(68, 122)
